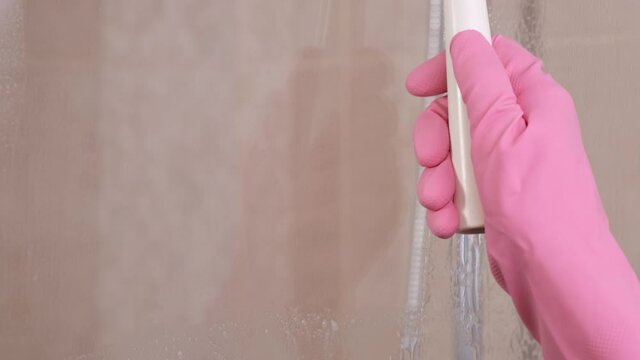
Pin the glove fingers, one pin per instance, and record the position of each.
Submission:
(429, 78)
(431, 134)
(444, 222)
(437, 185)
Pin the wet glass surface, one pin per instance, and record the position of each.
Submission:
(235, 180)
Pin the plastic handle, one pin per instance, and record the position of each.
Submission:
(460, 15)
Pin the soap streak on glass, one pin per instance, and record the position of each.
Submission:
(411, 341)
(529, 31)
(412, 335)
(467, 279)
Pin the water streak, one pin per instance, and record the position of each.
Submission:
(411, 341)
(467, 280)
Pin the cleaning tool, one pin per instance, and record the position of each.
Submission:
(459, 15)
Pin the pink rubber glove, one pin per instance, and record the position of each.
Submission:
(547, 235)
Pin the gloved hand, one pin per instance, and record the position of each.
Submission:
(547, 235)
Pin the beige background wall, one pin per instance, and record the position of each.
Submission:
(235, 180)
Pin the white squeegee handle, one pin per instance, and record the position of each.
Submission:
(460, 15)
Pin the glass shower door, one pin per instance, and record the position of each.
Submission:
(206, 179)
